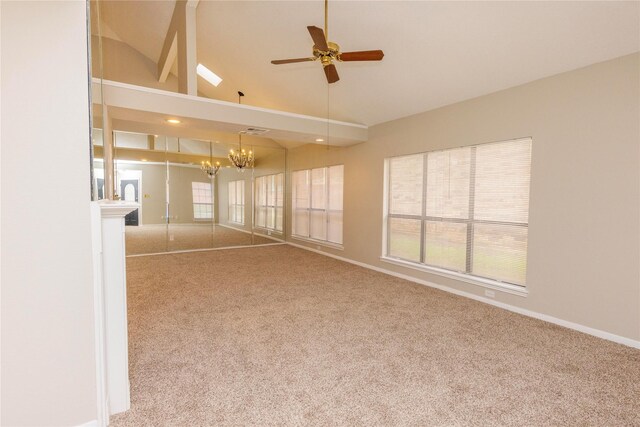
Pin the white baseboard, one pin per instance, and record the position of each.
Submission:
(256, 232)
(93, 423)
(223, 248)
(560, 322)
(242, 230)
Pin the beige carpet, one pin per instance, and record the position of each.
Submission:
(150, 239)
(302, 339)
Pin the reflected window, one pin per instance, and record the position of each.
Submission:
(236, 201)
(317, 204)
(269, 202)
(202, 201)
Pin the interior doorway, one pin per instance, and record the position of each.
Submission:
(129, 188)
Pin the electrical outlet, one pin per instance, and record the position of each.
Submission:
(269, 233)
(171, 237)
(489, 293)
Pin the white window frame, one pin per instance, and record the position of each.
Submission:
(270, 204)
(211, 218)
(325, 211)
(232, 207)
(466, 276)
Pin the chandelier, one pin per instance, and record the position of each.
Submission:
(210, 169)
(241, 159)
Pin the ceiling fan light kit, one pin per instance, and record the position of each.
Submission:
(327, 51)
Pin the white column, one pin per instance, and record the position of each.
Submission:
(107, 154)
(114, 293)
(187, 61)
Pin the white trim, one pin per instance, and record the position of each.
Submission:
(545, 317)
(256, 231)
(116, 208)
(239, 223)
(102, 397)
(206, 249)
(140, 162)
(234, 228)
(225, 103)
(263, 232)
(202, 224)
(325, 243)
(92, 423)
(467, 278)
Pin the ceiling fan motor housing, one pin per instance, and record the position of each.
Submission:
(327, 56)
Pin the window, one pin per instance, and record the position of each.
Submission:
(317, 203)
(464, 210)
(236, 201)
(202, 201)
(270, 201)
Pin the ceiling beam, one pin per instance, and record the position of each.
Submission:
(180, 44)
(167, 57)
(187, 60)
(152, 107)
(170, 46)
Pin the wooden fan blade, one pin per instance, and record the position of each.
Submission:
(317, 34)
(289, 61)
(363, 55)
(331, 73)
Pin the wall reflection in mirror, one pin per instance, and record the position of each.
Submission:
(183, 205)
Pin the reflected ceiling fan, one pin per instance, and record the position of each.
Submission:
(327, 51)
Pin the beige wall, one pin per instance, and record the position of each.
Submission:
(48, 371)
(122, 63)
(584, 208)
(153, 191)
(180, 192)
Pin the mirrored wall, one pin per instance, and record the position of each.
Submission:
(182, 207)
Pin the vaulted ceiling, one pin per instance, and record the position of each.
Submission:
(436, 53)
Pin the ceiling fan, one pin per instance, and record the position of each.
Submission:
(327, 51)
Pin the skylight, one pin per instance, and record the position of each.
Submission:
(208, 75)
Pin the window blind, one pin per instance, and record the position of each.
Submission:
(464, 209)
(317, 203)
(202, 200)
(269, 201)
(236, 201)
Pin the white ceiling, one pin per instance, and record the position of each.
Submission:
(436, 53)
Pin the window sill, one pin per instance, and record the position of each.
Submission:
(319, 242)
(478, 281)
